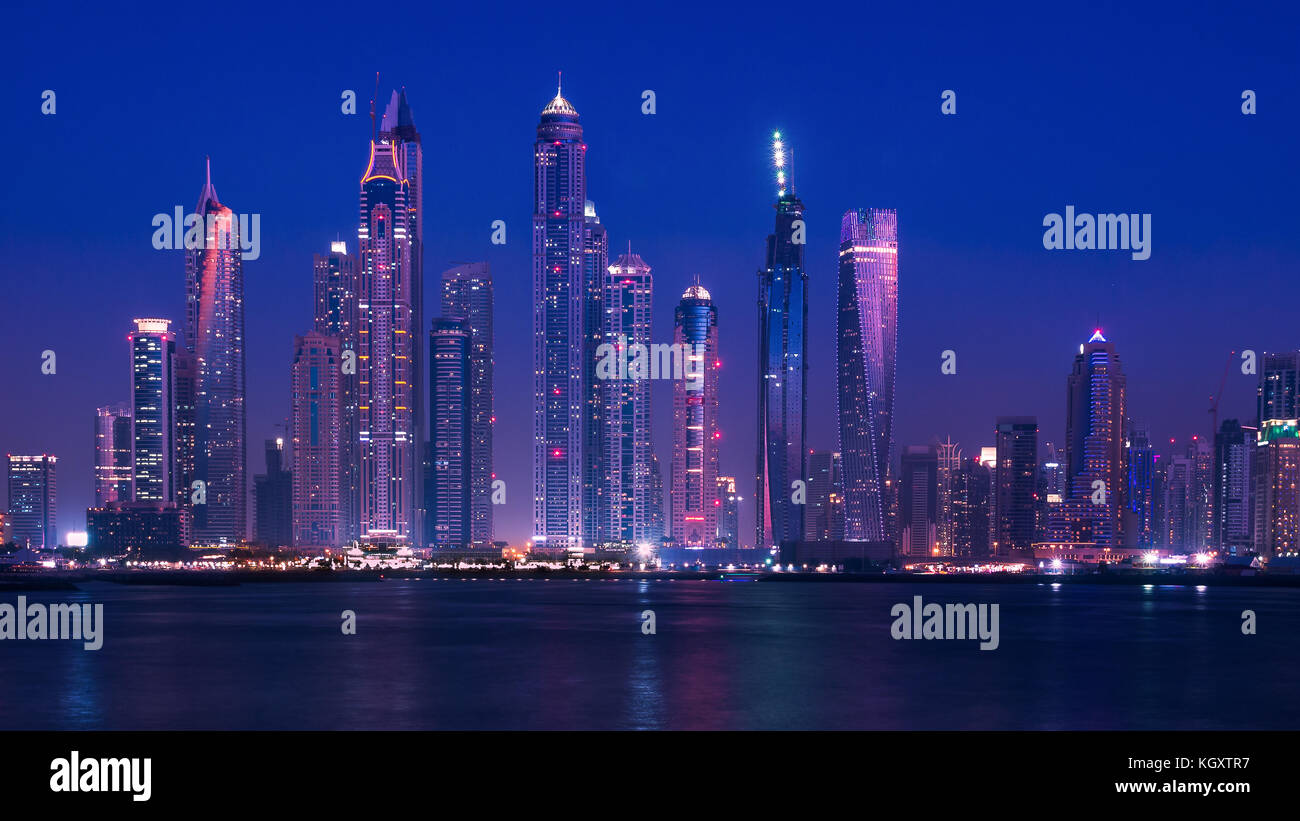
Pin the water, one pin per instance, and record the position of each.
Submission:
(563, 654)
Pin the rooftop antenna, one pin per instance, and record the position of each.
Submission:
(559, 83)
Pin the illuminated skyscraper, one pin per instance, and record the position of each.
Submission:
(398, 129)
(335, 287)
(112, 454)
(1016, 485)
(561, 380)
(694, 488)
(388, 341)
(1141, 489)
(598, 502)
(317, 398)
(868, 340)
(782, 367)
(969, 494)
(729, 520)
(448, 482)
(918, 501)
(1277, 488)
(273, 498)
(824, 508)
(214, 333)
(467, 295)
(624, 447)
(33, 508)
(949, 460)
(1234, 451)
(1094, 445)
(153, 429)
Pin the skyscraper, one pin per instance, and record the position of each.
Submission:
(1017, 484)
(273, 498)
(214, 333)
(33, 507)
(969, 493)
(336, 291)
(1234, 447)
(1278, 395)
(561, 381)
(782, 367)
(867, 324)
(388, 343)
(598, 502)
(1142, 484)
(824, 509)
(1094, 444)
(1277, 488)
(949, 456)
(467, 295)
(153, 436)
(320, 499)
(694, 488)
(625, 446)
(448, 482)
(1178, 530)
(398, 129)
(112, 458)
(918, 501)
(1200, 499)
(729, 520)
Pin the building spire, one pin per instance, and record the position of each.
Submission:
(559, 84)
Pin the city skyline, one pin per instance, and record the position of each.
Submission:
(1149, 362)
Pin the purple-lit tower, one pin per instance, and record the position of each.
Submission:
(782, 368)
(694, 490)
(316, 402)
(868, 338)
(388, 340)
(335, 291)
(560, 377)
(214, 334)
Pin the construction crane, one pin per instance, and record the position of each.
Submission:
(1214, 400)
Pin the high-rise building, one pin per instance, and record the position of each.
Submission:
(1178, 529)
(824, 508)
(782, 367)
(185, 382)
(561, 381)
(138, 530)
(388, 345)
(467, 295)
(1051, 490)
(448, 482)
(598, 503)
(969, 489)
(1017, 484)
(624, 446)
(867, 324)
(1234, 447)
(1200, 499)
(729, 520)
(918, 501)
(273, 497)
(1094, 444)
(33, 504)
(1278, 395)
(112, 454)
(153, 407)
(398, 128)
(335, 288)
(1141, 507)
(214, 333)
(320, 498)
(949, 454)
(1277, 488)
(695, 502)
(658, 529)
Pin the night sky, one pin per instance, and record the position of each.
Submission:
(1094, 105)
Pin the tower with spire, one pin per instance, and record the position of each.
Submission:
(561, 387)
(214, 341)
(782, 367)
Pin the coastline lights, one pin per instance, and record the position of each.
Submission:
(778, 162)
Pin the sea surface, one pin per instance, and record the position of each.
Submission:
(565, 654)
